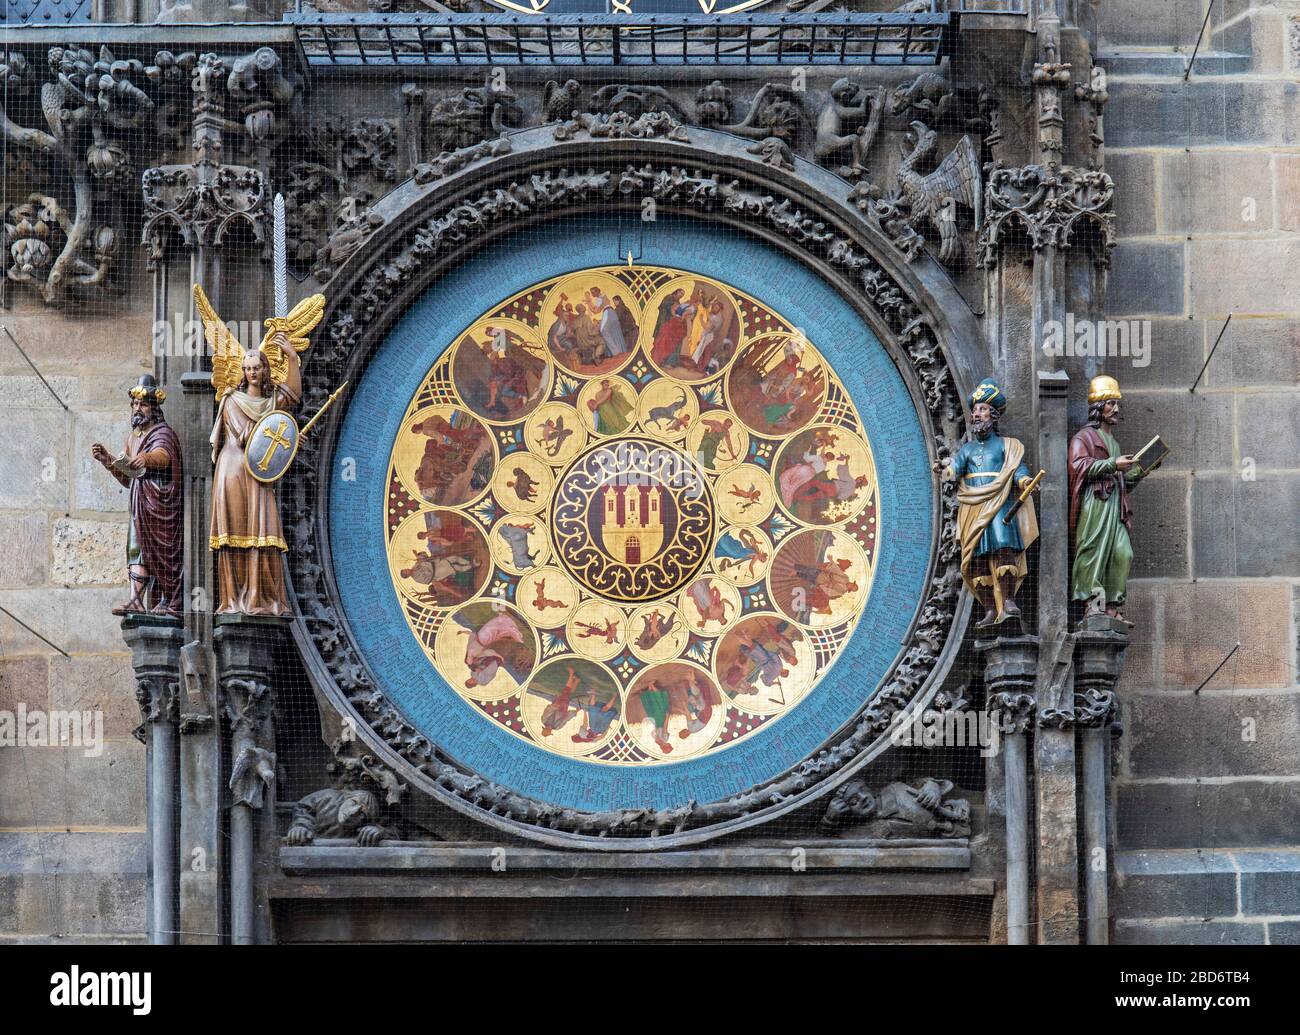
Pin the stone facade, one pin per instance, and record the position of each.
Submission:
(1206, 792)
(72, 841)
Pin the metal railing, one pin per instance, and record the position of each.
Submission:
(816, 39)
(79, 12)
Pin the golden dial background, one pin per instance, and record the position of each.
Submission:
(637, 421)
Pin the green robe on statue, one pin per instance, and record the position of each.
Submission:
(1100, 516)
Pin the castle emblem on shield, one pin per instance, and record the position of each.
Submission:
(633, 519)
(632, 524)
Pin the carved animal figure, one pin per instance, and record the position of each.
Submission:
(635, 100)
(775, 112)
(849, 120)
(560, 102)
(336, 813)
(934, 197)
(929, 93)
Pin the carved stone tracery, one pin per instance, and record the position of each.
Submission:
(1054, 208)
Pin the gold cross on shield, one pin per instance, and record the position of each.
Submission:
(278, 440)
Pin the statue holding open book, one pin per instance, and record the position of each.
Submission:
(149, 465)
(1101, 517)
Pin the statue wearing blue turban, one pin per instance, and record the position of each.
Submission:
(990, 471)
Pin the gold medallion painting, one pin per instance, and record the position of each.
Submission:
(632, 515)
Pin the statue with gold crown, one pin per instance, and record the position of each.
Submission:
(996, 521)
(254, 438)
(1101, 517)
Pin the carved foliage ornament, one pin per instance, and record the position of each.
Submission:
(360, 319)
(1054, 208)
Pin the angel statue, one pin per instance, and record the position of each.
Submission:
(245, 531)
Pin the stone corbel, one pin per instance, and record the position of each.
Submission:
(157, 696)
(155, 656)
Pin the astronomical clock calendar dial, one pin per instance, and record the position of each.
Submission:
(632, 516)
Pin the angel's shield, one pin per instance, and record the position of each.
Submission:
(272, 446)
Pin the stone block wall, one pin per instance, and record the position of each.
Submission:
(1208, 193)
(72, 843)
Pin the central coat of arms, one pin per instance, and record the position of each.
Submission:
(633, 519)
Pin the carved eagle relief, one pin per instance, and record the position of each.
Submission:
(934, 197)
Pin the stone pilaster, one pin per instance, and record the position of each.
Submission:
(1098, 660)
(1010, 672)
(155, 655)
(245, 652)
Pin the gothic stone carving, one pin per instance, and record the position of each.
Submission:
(916, 810)
(327, 197)
(354, 807)
(248, 710)
(157, 696)
(1051, 207)
(465, 118)
(402, 267)
(89, 105)
(621, 125)
(336, 813)
(849, 122)
(202, 212)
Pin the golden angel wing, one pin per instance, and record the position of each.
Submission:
(227, 353)
(300, 322)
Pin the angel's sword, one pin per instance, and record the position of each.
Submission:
(280, 260)
(280, 273)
